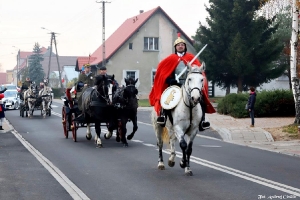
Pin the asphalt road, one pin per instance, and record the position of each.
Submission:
(58, 168)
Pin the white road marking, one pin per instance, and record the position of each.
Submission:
(209, 145)
(69, 186)
(250, 177)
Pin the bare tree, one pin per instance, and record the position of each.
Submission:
(294, 5)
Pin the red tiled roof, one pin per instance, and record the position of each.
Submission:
(125, 31)
(84, 60)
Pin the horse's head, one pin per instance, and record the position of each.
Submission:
(194, 84)
(130, 90)
(33, 88)
(46, 81)
(102, 83)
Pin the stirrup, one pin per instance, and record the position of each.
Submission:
(161, 120)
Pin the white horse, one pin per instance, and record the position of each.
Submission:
(30, 96)
(45, 94)
(186, 118)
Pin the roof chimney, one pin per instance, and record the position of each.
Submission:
(141, 11)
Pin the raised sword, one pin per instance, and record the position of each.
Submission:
(184, 70)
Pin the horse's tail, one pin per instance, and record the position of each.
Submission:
(165, 136)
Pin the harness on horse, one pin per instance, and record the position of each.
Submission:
(118, 99)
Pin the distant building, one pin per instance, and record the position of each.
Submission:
(3, 78)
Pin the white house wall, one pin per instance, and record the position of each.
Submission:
(145, 61)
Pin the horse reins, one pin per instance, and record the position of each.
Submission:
(190, 102)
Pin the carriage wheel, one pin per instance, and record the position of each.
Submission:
(74, 128)
(65, 122)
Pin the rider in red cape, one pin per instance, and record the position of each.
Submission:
(164, 77)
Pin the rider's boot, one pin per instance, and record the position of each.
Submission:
(1, 128)
(203, 124)
(161, 119)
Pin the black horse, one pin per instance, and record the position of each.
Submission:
(125, 108)
(96, 106)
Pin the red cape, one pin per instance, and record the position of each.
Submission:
(164, 70)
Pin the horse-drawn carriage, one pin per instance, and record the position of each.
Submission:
(32, 99)
(105, 104)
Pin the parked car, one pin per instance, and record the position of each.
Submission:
(11, 99)
(9, 87)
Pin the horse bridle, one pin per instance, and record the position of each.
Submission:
(188, 93)
(105, 97)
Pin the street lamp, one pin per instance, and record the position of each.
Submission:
(18, 63)
(46, 29)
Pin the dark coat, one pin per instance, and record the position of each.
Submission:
(87, 79)
(251, 100)
(2, 114)
(25, 85)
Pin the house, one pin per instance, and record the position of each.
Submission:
(2, 78)
(68, 74)
(9, 76)
(136, 48)
(49, 65)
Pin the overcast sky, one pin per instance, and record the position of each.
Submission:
(79, 23)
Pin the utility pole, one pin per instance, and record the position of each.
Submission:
(53, 39)
(103, 31)
(18, 66)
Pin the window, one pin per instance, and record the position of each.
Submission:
(153, 76)
(150, 43)
(130, 45)
(130, 73)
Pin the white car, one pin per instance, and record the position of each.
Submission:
(11, 99)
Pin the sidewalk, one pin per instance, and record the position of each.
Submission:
(238, 131)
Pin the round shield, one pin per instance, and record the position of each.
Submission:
(170, 97)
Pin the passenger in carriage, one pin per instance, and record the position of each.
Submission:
(165, 76)
(87, 77)
(85, 80)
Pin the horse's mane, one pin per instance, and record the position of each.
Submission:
(195, 69)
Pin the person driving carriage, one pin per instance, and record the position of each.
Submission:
(165, 76)
(25, 86)
(103, 71)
